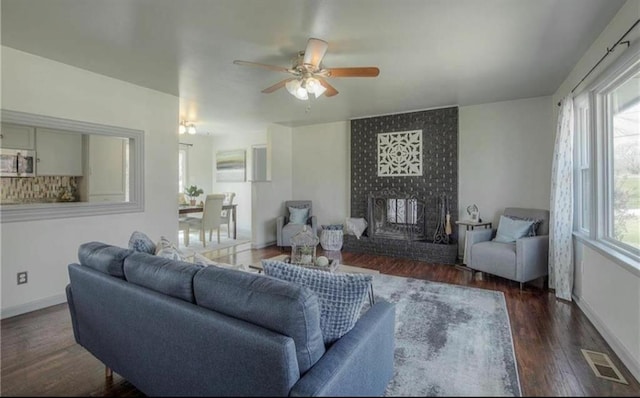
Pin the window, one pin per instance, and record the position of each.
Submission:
(581, 163)
(607, 159)
(622, 162)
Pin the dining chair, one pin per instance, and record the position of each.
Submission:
(225, 215)
(183, 225)
(210, 217)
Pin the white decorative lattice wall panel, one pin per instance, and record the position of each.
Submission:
(400, 154)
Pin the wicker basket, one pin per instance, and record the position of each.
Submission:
(331, 240)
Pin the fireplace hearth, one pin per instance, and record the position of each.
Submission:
(395, 215)
(403, 212)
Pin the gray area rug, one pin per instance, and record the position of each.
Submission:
(450, 340)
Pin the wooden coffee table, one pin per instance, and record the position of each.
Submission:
(341, 267)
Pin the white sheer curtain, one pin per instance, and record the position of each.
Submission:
(561, 207)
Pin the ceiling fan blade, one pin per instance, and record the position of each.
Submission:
(364, 71)
(277, 86)
(315, 51)
(331, 91)
(265, 66)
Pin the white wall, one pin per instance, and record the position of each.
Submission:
(44, 248)
(608, 293)
(200, 166)
(321, 169)
(242, 189)
(504, 156)
(268, 197)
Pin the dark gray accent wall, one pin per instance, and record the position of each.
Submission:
(440, 162)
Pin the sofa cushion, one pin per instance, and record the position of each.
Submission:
(283, 307)
(341, 295)
(140, 242)
(533, 214)
(173, 278)
(102, 257)
(298, 215)
(510, 230)
(495, 258)
(533, 230)
(167, 249)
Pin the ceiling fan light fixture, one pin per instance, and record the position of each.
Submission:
(295, 88)
(314, 87)
(301, 88)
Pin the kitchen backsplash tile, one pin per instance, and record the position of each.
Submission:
(36, 189)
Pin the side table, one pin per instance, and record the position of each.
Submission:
(470, 225)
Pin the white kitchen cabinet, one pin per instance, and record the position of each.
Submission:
(15, 136)
(58, 153)
(107, 169)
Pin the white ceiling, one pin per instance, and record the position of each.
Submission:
(430, 53)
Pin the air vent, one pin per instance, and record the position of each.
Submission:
(603, 367)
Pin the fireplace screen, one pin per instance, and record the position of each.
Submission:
(396, 216)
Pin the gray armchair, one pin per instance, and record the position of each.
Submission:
(285, 230)
(522, 261)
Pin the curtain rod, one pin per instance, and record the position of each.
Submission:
(609, 50)
(184, 143)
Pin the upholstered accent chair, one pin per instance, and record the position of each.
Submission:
(523, 260)
(287, 228)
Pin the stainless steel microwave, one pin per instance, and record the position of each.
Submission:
(17, 163)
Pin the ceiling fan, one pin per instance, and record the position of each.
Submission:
(309, 75)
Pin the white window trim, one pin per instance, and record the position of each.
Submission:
(581, 139)
(620, 70)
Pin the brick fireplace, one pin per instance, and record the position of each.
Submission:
(403, 210)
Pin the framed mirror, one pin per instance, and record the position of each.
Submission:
(81, 168)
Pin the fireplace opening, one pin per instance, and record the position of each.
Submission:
(396, 215)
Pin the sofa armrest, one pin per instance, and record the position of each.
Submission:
(72, 311)
(280, 222)
(475, 236)
(358, 364)
(532, 257)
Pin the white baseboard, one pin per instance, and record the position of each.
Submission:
(262, 245)
(33, 305)
(625, 356)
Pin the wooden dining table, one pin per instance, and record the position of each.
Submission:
(187, 209)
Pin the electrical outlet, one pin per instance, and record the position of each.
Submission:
(22, 277)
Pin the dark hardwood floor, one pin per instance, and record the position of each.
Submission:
(40, 356)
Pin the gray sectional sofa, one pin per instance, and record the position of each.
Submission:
(175, 328)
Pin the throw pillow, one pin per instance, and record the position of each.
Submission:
(341, 296)
(165, 248)
(533, 231)
(141, 243)
(298, 215)
(356, 226)
(510, 230)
